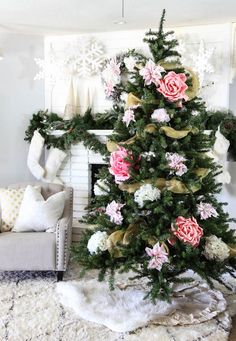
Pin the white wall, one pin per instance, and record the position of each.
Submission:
(216, 37)
(20, 96)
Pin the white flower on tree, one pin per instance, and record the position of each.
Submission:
(176, 163)
(130, 63)
(148, 155)
(128, 117)
(160, 116)
(146, 193)
(101, 187)
(216, 249)
(206, 210)
(97, 242)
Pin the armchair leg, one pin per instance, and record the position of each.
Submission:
(60, 275)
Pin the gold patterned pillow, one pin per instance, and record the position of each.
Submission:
(10, 200)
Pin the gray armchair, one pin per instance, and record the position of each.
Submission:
(40, 251)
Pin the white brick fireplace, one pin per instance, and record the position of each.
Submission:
(76, 172)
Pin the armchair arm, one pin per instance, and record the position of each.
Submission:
(64, 232)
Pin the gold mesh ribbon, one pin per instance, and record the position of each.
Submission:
(132, 100)
(121, 237)
(151, 129)
(232, 250)
(173, 185)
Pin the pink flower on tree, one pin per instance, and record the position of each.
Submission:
(113, 211)
(160, 115)
(176, 163)
(173, 86)
(128, 117)
(111, 76)
(159, 256)
(188, 230)
(151, 73)
(119, 166)
(108, 88)
(206, 210)
(114, 67)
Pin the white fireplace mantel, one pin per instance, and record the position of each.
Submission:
(75, 171)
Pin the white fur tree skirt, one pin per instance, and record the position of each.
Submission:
(126, 310)
(30, 310)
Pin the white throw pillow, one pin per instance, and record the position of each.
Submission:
(10, 201)
(38, 214)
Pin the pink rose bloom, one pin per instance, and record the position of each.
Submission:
(176, 163)
(159, 256)
(128, 117)
(113, 211)
(119, 166)
(173, 86)
(188, 230)
(206, 210)
(151, 73)
(160, 115)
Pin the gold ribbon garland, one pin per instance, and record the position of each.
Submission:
(173, 185)
(121, 237)
(151, 129)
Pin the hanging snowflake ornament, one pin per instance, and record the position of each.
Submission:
(202, 62)
(86, 58)
(50, 68)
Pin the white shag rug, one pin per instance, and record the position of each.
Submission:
(30, 310)
(126, 310)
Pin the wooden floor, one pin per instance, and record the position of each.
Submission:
(232, 336)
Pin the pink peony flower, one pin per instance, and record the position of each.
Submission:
(128, 117)
(119, 166)
(173, 86)
(188, 230)
(151, 73)
(176, 163)
(160, 115)
(113, 211)
(159, 256)
(206, 210)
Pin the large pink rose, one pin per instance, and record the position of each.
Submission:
(119, 166)
(188, 230)
(173, 86)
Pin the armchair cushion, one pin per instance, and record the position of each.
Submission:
(38, 214)
(27, 251)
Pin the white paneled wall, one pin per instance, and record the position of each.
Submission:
(216, 37)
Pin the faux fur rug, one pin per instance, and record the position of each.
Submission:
(126, 310)
(30, 311)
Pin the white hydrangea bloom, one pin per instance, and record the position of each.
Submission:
(97, 242)
(216, 249)
(146, 193)
(101, 187)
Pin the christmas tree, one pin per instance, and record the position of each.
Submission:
(155, 210)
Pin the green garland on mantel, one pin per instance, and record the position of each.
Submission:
(76, 129)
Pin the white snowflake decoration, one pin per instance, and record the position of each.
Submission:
(86, 58)
(51, 68)
(202, 62)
